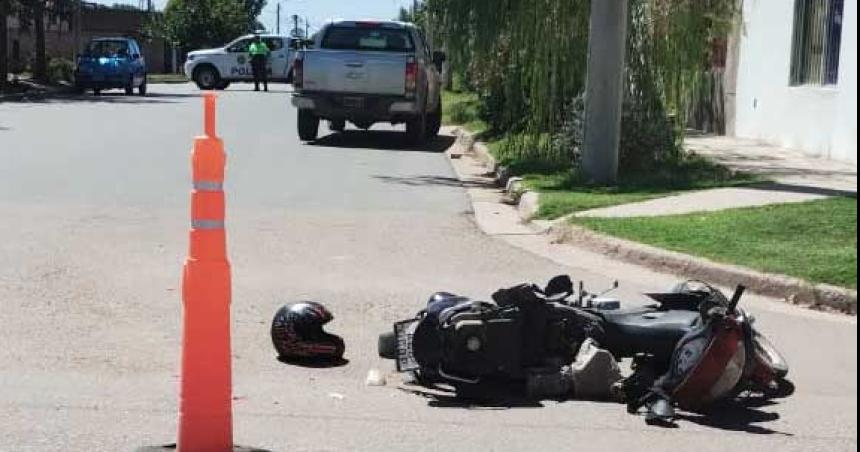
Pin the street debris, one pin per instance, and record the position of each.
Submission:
(375, 378)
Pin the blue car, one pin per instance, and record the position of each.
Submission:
(111, 63)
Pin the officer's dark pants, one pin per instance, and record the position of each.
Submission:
(261, 73)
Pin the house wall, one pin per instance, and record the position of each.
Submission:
(95, 22)
(818, 120)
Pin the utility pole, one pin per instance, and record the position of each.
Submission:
(307, 28)
(278, 26)
(604, 91)
(295, 24)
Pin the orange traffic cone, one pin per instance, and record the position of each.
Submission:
(205, 399)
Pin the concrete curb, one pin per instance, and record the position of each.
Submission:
(527, 201)
(791, 290)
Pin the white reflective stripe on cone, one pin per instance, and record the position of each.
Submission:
(207, 224)
(205, 185)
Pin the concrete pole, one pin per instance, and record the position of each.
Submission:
(731, 71)
(607, 45)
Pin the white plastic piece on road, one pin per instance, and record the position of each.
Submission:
(375, 378)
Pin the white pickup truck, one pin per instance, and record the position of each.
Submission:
(217, 68)
(367, 72)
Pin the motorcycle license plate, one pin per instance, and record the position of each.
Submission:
(403, 332)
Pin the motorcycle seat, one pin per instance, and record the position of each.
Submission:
(647, 330)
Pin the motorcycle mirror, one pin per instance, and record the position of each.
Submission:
(558, 286)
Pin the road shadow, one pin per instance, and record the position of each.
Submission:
(173, 447)
(743, 418)
(803, 190)
(444, 397)
(111, 97)
(250, 89)
(436, 181)
(315, 363)
(385, 140)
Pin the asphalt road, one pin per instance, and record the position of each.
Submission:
(93, 233)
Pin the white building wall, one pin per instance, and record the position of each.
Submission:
(818, 120)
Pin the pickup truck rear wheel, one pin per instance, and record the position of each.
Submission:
(434, 124)
(309, 125)
(416, 129)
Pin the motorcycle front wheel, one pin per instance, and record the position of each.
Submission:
(769, 354)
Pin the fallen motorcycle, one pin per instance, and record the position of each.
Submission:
(692, 348)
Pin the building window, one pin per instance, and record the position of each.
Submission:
(817, 42)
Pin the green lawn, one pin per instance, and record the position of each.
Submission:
(561, 192)
(166, 78)
(462, 109)
(815, 241)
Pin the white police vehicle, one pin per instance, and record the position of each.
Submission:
(218, 68)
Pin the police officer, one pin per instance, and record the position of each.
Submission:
(259, 52)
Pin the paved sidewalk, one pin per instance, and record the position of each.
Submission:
(785, 167)
(796, 178)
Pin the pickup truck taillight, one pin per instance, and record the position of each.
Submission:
(298, 72)
(411, 77)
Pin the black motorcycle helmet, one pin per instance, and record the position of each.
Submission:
(297, 333)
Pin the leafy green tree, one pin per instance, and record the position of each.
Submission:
(31, 15)
(527, 60)
(194, 24)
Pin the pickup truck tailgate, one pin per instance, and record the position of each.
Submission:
(381, 73)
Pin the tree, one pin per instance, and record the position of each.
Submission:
(194, 24)
(31, 15)
(5, 11)
(527, 61)
(40, 69)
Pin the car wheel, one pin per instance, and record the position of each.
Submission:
(308, 125)
(207, 78)
(416, 129)
(97, 91)
(222, 85)
(129, 87)
(338, 125)
(142, 88)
